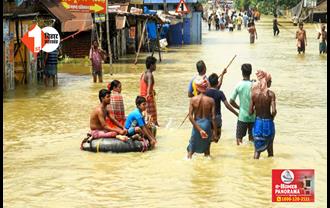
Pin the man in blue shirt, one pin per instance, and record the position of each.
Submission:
(51, 67)
(135, 122)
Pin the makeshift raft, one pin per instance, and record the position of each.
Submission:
(114, 145)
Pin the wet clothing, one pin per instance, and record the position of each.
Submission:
(323, 47)
(51, 64)
(192, 88)
(245, 20)
(96, 57)
(263, 132)
(301, 46)
(275, 27)
(243, 90)
(217, 96)
(151, 102)
(242, 128)
(96, 134)
(50, 70)
(116, 107)
(218, 121)
(252, 32)
(52, 58)
(134, 119)
(196, 143)
(252, 38)
(96, 72)
(239, 22)
(131, 131)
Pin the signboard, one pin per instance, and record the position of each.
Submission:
(88, 6)
(99, 18)
(182, 7)
(310, 3)
(139, 2)
(294, 185)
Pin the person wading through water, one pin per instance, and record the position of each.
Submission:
(202, 117)
(147, 83)
(264, 104)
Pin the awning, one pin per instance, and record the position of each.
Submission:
(132, 17)
(80, 22)
(57, 10)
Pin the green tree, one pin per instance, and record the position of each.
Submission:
(266, 6)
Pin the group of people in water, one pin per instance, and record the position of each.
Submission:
(302, 39)
(231, 20)
(225, 18)
(257, 110)
(108, 119)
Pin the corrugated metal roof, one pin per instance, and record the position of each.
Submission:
(132, 17)
(57, 10)
(80, 22)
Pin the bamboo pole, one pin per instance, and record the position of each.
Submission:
(100, 27)
(141, 39)
(108, 37)
(188, 113)
(160, 57)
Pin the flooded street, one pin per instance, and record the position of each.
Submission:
(43, 128)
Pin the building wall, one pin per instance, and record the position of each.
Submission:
(78, 46)
(19, 68)
(8, 57)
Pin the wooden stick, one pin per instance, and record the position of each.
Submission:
(184, 120)
(160, 57)
(225, 68)
(228, 65)
(141, 39)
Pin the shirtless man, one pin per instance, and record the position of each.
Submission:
(301, 38)
(99, 128)
(275, 25)
(202, 117)
(263, 102)
(323, 40)
(253, 32)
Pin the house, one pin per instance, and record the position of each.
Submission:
(320, 12)
(20, 66)
(186, 31)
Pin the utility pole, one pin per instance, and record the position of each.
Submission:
(108, 36)
(165, 6)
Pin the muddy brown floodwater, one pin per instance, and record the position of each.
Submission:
(43, 128)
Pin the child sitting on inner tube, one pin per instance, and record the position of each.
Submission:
(135, 123)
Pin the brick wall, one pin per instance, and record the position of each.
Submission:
(78, 46)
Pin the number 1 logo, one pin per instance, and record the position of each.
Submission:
(34, 39)
(46, 39)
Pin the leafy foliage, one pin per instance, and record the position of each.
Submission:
(265, 6)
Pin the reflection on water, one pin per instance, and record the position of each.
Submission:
(43, 166)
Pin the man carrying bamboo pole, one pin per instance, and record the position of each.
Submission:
(218, 96)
